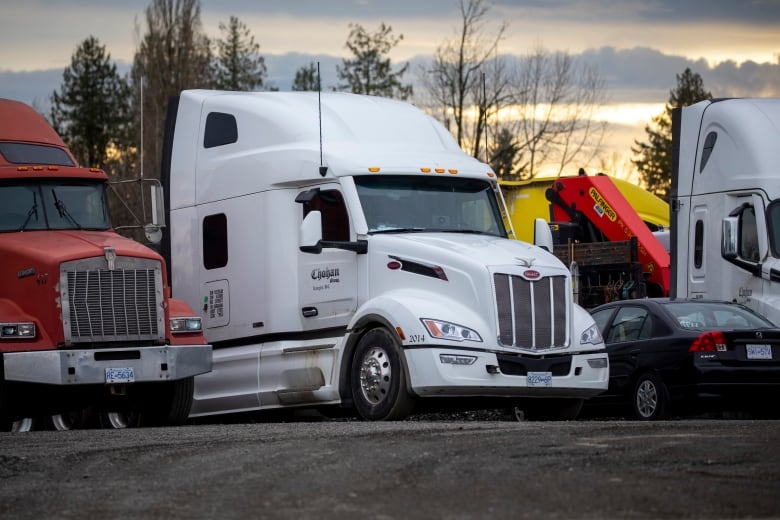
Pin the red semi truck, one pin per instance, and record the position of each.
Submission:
(86, 317)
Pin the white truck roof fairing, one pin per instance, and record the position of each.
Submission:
(746, 153)
(279, 141)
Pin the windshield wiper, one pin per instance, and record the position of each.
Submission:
(398, 230)
(63, 211)
(32, 211)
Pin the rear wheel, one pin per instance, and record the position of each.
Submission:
(650, 398)
(378, 378)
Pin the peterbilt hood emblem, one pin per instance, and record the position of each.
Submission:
(525, 262)
(110, 254)
(531, 274)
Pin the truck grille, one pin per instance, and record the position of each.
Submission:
(123, 304)
(531, 314)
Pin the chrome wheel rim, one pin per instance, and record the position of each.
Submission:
(646, 399)
(375, 375)
(22, 425)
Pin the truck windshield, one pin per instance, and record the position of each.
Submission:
(413, 203)
(35, 205)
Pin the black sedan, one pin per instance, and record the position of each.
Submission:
(687, 356)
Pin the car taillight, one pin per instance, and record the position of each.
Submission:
(713, 341)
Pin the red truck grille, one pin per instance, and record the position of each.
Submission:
(102, 305)
(531, 314)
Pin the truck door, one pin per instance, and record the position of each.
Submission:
(327, 292)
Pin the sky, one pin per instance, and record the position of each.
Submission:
(637, 46)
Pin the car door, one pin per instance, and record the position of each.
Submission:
(629, 333)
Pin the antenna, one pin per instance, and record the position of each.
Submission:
(484, 113)
(142, 128)
(323, 169)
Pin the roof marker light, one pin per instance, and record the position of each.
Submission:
(373, 169)
(52, 168)
(439, 170)
(38, 168)
(425, 170)
(453, 171)
(22, 168)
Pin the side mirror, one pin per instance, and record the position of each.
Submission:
(543, 234)
(729, 245)
(310, 236)
(153, 231)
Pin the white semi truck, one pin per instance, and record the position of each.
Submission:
(725, 213)
(345, 253)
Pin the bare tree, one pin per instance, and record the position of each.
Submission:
(557, 99)
(173, 55)
(467, 78)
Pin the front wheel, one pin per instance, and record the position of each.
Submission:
(650, 398)
(378, 378)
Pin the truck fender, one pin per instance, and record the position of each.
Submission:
(10, 312)
(401, 310)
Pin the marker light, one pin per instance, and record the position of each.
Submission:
(457, 359)
(445, 330)
(425, 170)
(439, 170)
(186, 325)
(373, 169)
(453, 171)
(17, 330)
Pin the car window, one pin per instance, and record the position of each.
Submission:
(629, 325)
(715, 315)
(601, 318)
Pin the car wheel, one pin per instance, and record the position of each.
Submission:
(21, 425)
(378, 378)
(544, 409)
(650, 398)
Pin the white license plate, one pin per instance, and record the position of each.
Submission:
(539, 378)
(759, 351)
(120, 375)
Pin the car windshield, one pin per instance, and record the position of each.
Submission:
(708, 315)
(44, 204)
(414, 203)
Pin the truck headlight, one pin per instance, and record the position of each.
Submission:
(186, 325)
(17, 330)
(591, 336)
(445, 330)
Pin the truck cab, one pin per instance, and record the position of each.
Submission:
(344, 252)
(86, 318)
(726, 203)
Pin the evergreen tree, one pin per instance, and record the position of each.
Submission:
(370, 72)
(505, 156)
(91, 111)
(306, 78)
(654, 162)
(239, 65)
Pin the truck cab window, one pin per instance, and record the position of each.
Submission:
(335, 219)
(215, 241)
(748, 234)
(773, 222)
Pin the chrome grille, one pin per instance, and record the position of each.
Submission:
(123, 304)
(531, 314)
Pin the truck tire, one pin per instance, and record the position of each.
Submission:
(553, 409)
(168, 404)
(379, 379)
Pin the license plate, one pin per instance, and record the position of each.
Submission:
(539, 378)
(759, 351)
(120, 375)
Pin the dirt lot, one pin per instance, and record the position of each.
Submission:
(412, 469)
